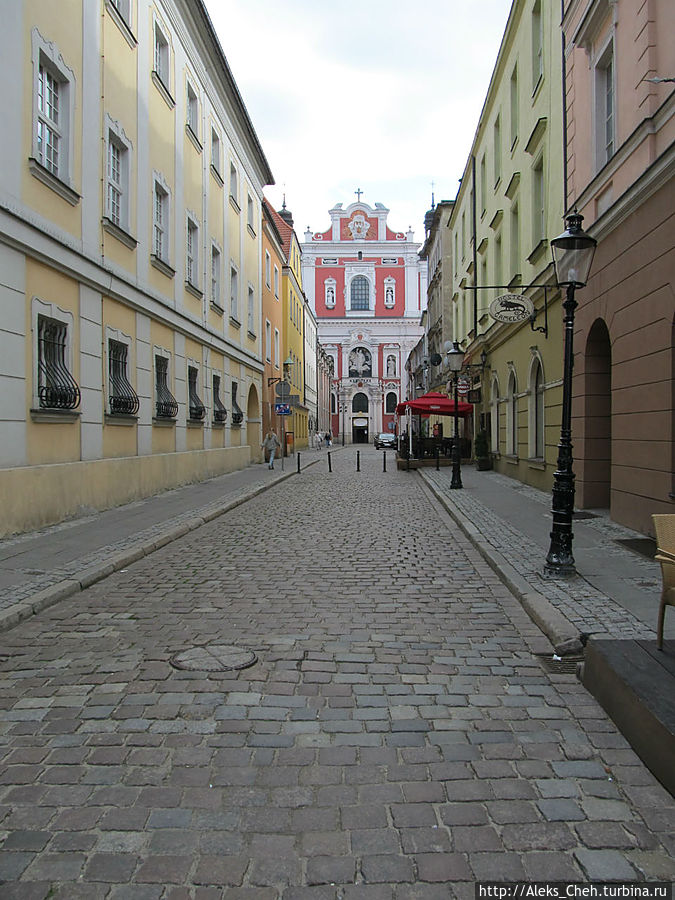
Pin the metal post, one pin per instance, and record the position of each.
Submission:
(560, 560)
(456, 452)
(330, 464)
(298, 462)
(438, 457)
(358, 460)
(384, 460)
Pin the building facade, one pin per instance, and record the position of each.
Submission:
(438, 323)
(274, 261)
(367, 287)
(620, 107)
(130, 221)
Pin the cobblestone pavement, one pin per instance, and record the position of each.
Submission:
(398, 736)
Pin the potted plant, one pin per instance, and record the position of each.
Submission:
(481, 452)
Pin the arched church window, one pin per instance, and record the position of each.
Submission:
(360, 403)
(360, 293)
(390, 403)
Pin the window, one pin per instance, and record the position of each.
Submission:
(166, 406)
(515, 108)
(494, 415)
(497, 148)
(537, 45)
(237, 414)
(219, 411)
(268, 269)
(536, 411)
(162, 56)
(195, 405)
(360, 403)
(115, 188)
(276, 348)
(360, 293)
(123, 399)
(215, 275)
(498, 259)
(515, 242)
(512, 417)
(483, 185)
(53, 119)
(605, 107)
(250, 221)
(234, 293)
(192, 253)
(538, 202)
(390, 403)
(215, 150)
(192, 110)
(276, 282)
(57, 389)
(268, 340)
(234, 186)
(160, 221)
(251, 311)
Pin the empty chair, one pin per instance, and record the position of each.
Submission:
(665, 554)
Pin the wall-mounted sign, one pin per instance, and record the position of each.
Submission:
(463, 385)
(511, 308)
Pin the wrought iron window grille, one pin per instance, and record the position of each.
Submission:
(237, 414)
(166, 405)
(123, 398)
(197, 408)
(57, 389)
(219, 411)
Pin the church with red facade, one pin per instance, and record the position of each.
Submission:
(367, 288)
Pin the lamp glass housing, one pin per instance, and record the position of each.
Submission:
(573, 253)
(455, 358)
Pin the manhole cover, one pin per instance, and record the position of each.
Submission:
(560, 665)
(214, 658)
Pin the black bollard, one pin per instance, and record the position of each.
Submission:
(438, 458)
(358, 460)
(330, 464)
(298, 463)
(384, 460)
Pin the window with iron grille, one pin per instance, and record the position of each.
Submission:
(360, 293)
(122, 397)
(197, 409)
(237, 414)
(57, 389)
(165, 403)
(219, 411)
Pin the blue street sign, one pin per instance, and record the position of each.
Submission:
(282, 409)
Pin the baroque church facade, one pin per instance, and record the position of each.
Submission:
(367, 288)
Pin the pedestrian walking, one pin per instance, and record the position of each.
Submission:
(271, 444)
(328, 439)
(318, 440)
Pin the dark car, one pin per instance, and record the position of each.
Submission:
(385, 440)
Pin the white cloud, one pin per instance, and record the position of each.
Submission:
(373, 94)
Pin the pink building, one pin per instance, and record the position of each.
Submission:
(366, 285)
(620, 107)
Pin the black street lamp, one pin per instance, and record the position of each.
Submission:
(573, 253)
(455, 360)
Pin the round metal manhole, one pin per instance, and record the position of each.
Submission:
(214, 658)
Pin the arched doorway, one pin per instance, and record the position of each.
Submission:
(597, 476)
(253, 435)
(360, 418)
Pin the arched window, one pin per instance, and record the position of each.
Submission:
(360, 293)
(390, 403)
(360, 403)
(494, 415)
(536, 418)
(333, 404)
(512, 417)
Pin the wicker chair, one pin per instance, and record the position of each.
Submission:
(665, 554)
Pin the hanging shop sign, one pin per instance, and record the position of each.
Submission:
(511, 308)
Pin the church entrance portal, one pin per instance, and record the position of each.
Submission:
(360, 431)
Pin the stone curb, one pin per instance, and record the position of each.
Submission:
(558, 629)
(77, 582)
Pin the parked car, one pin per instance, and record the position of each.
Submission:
(385, 440)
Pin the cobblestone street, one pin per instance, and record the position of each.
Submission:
(398, 736)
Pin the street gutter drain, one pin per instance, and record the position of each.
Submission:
(561, 665)
(214, 658)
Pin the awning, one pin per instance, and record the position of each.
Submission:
(434, 403)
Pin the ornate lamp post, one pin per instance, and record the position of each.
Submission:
(573, 254)
(455, 359)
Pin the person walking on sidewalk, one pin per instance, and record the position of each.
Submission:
(271, 444)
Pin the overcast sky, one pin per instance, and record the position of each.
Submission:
(383, 95)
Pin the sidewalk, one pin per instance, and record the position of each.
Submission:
(40, 568)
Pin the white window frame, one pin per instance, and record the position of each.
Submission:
(494, 414)
(514, 237)
(234, 292)
(277, 339)
(216, 152)
(537, 20)
(161, 54)
(536, 411)
(250, 214)
(497, 147)
(234, 184)
(49, 64)
(117, 139)
(512, 415)
(216, 275)
(538, 201)
(161, 218)
(515, 105)
(250, 310)
(191, 108)
(268, 269)
(268, 340)
(50, 310)
(192, 251)
(605, 107)
(276, 281)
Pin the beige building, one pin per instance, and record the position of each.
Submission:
(620, 65)
(130, 257)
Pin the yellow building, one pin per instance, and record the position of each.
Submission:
(130, 257)
(297, 424)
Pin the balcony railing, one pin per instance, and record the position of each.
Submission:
(123, 398)
(57, 389)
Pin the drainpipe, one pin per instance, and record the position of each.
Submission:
(475, 248)
(564, 107)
